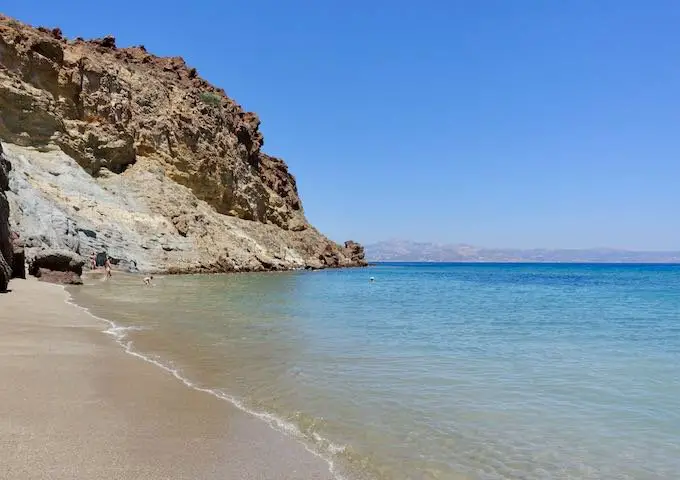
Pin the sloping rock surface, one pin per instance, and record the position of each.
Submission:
(123, 152)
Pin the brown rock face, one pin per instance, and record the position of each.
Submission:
(6, 249)
(57, 266)
(55, 276)
(127, 113)
(106, 106)
(355, 252)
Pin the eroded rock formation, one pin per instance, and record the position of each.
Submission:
(58, 266)
(6, 249)
(137, 155)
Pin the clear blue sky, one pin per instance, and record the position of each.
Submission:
(498, 123)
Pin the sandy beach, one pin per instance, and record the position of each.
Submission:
(74, 405)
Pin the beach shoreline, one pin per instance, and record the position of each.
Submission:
(75, 405)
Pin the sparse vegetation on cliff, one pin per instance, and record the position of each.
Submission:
(211, 98)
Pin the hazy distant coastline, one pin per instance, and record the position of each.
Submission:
(409, 251)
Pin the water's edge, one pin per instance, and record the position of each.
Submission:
(119, 334)
(428, 372)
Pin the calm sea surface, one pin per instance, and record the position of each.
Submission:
(433, 370)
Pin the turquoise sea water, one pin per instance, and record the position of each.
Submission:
(433, 370)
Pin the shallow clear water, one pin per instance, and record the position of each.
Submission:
(435, 371)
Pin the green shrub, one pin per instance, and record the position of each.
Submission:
(211, 98)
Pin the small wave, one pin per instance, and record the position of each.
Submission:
(119, 333)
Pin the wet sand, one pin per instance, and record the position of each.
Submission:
(73, 405)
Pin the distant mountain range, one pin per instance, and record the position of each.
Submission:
(407, 251)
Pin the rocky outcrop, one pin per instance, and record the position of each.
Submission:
(57, 266)
(18, 256)
(57, 260)
(355, 252)
(6, 249)
(123, 152)
(19, 262)
(55, 276)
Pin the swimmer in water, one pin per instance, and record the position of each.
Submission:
(147, 280)
(372, 279)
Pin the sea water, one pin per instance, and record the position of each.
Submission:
(432, 371)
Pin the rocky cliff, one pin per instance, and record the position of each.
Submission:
(6, 250)
(119, 151)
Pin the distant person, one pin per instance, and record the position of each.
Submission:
(107, 267)
(147, 280)
(93, 261)
(372, 279)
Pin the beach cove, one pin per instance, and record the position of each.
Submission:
(512, 167)
(73, 404)
(432, 371)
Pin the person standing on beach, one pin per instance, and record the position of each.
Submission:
(107, 267)
(93, 261)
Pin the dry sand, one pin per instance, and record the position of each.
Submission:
(73, 405)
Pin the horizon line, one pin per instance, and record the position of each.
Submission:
(580, 249)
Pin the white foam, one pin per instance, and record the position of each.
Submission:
(119, 333)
